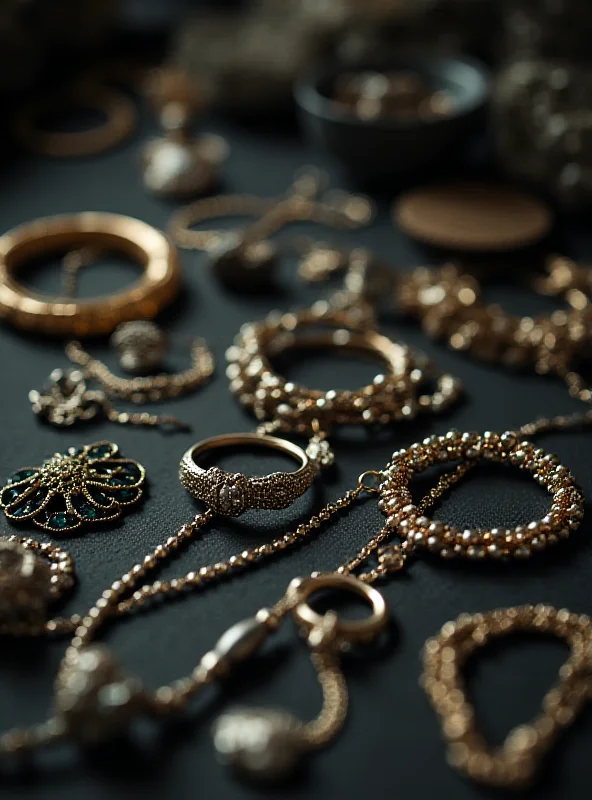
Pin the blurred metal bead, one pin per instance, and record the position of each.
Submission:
(141, 346)
(25, 585)
(241, 640)
(94, 696)
(260, 743)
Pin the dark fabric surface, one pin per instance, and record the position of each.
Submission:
(391, 745)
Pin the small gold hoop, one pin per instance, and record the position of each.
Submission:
(119, 110)
(231, 494)
(106, 232)
(350, 630)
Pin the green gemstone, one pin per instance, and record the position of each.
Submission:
(22, 475)
(10, 495)
(87, 511)
(61, 520)
(100, 497)
(126, 495)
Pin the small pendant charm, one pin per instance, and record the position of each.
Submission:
(32, 575)
(94, 697)
(176, 167)
(91, 484)
(259, 743)
(140, 345)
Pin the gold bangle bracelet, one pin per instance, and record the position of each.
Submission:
(60, 316)
(120, 121)
(231, 494)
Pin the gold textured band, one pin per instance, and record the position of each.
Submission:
(106, 232)
(231, 494)
(120, 121)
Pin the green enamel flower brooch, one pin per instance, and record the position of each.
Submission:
(91, 484)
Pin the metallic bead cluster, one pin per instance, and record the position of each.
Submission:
(140, 346)
(542, 125)
(393, 395)
(31, 576)
(564, 515)
(450, 305)
(514, 763)
(94, 697)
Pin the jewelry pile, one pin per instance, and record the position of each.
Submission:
(95, 697)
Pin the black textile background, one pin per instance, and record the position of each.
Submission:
(391, 744)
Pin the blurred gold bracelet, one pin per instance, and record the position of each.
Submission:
(60, 316)
(119, 111)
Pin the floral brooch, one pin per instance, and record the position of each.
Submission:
(91, 484)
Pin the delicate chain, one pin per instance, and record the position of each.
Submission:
(147, 389)
(329, 722)
(240, 561)
(513, 764)
(562, 422)
(137, 390)
(341, 210)
(212, 208)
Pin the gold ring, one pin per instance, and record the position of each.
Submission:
(231, 494)
(120, 122)
(106, 232)
(358, 630)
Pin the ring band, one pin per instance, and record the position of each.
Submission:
(231, 494)
(106, 232)
(120, 122)
(350, 630)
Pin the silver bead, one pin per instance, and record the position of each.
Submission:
(94, 697)
(241, 640)
(260, 743)
(141, 346)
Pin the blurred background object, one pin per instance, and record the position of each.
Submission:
(35, 32)
(246, 55)
(542, 107)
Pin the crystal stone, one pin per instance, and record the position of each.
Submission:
(231, 498)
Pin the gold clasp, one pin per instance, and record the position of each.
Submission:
(373, 489)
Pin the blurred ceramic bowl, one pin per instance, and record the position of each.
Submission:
(388, 147)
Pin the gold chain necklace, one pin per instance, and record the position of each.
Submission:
(95, 697)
